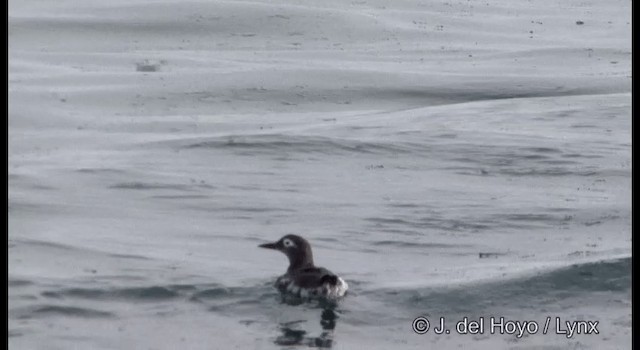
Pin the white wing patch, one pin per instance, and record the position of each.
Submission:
(339, 290)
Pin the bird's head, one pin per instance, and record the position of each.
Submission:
(296, 248)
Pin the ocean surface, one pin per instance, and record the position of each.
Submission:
(448, 159)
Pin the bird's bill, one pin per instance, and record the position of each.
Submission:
(269, 246)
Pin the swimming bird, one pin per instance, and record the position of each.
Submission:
(303, 278)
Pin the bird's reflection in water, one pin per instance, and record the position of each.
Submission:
(293, 335)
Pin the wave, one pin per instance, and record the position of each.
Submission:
(47, 310)
(478, 159)
(153, 293)
(268, 143)
(68, 249)
(200, 293)
(544, 288)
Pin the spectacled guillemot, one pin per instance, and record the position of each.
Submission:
(303, 278)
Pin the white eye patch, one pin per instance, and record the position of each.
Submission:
(288, 243)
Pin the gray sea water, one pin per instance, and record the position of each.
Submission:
(153, 146)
